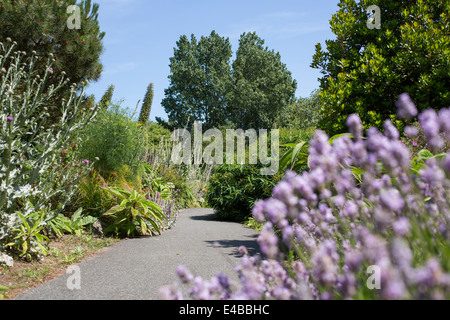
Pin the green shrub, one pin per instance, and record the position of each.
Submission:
(133, 214)
(61, 224)
(117, 141)
(156, 133)
(91, 195)
(28, 239)
(182, 191)
(234, 189)
(301, 113)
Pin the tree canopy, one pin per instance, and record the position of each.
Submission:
(205, 86)
(200, 80)
(262, 85)
(366, 69)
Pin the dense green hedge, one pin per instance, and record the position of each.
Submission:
(234, 189)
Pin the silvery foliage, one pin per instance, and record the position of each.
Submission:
(29, 147)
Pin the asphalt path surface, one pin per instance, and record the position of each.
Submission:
(135, 269)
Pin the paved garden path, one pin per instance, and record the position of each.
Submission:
(136, 268)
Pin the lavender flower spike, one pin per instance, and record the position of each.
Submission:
(406, 107)
(184, 274)
(355, 126)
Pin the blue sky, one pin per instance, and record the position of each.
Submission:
(141, 35)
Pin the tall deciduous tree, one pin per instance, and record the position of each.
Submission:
(262, 85)
(365, 69)
(203, 86)
(146, 105)
(200, 80)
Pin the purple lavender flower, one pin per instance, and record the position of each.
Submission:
(325, 264)
(432, 174)
(394, 290)
(406, 109)
(243, 250)
(411, 131)
(391, 131)
(447, 163)
(444, 118)
(268, 241)
(337, 224)
(223, 280)
(170, 292)
(200, 289)
(431, 127)
(401, 226)
(350, 210)
(184, 274)
(303, 187)
(401, 254)
(391, 199)
(275, 210)
(355, 126)
(320, 143)
(353, 259)
(258, 211)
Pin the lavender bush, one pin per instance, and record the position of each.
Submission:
(360, 224)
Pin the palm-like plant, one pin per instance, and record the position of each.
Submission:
(134, 215)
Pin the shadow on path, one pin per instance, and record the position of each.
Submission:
(204, 217)
(251, 245)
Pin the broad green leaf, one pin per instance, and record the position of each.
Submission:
(296, 150)
(77, 214)
(24, 221)
(114, 210)
(425, 154)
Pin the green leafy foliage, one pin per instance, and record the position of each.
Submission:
(263, 86)
(234, 189)
(301, 113)
(133, 214)
(199, 81)
(91, 195)
(420, 162)
(365, 70)
(35, 171)
(73, 225)
(295, 158)
(2, 290)
(117, 141)
(156, 184)
(28, 238)
(206, 87)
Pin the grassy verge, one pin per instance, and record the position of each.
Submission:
(65, 251)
